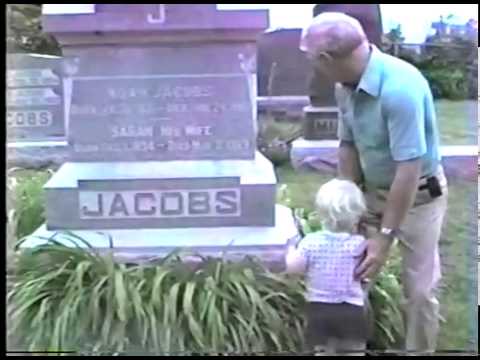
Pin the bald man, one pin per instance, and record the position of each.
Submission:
(389, 145)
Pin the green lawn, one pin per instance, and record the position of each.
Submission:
(456, 249)
(458, 246)
(457, 121)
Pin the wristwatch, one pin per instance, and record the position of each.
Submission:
(389, 233)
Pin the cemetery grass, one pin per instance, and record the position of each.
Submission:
(26, 215)
(88, 272)
(456, 250)
(458, 126)
(457, 121)
(456, 289)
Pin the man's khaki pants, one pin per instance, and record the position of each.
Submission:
(419, 244)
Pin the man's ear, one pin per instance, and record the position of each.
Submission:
(325, 57)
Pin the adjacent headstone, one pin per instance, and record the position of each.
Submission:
(162, 128)
(459, 161)
(283, 69)
(35, 107)
(36, 111)
(320, 123)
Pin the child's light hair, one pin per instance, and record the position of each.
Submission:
(340, 204)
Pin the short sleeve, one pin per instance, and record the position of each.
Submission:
(405, 116)
(303, 248)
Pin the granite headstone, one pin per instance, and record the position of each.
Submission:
(156, 103)
(320, 123)
(161, 121)
(35, 106)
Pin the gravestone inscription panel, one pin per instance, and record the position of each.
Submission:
(161, 117)
(35, 106)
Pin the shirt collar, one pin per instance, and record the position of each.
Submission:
(371, 78)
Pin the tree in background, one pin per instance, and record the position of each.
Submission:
(391, 41)
(448, 58)
(24, 31)
(395, 35)
(451, 59)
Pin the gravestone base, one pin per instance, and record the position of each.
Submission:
(459, 161)
(37, 154)
(147, 245)
(320, 155)
(162, 194)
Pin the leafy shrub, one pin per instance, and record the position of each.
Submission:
(451, 69)
(274, 138)
(24, 31)
(71, 299)
(63, 298)
(26, 202)
(446, 81)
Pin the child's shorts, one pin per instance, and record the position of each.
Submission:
(344, 322)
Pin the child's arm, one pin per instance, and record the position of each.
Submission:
(296, 261)
(297, 257)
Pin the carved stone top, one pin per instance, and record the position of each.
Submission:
(139, 20)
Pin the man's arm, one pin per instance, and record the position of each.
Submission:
(400, 199)
(348, 162)
(402, 193)
(406, 128)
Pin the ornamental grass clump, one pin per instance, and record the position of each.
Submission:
(74, 299)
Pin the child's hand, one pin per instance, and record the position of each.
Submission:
(365, 284)
(295, 261)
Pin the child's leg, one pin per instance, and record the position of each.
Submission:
(316, 334)
(349, 347)
(315, 343)
(351, 330)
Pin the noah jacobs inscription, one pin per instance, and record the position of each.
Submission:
(162, 118)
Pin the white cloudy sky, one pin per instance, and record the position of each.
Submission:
(415, 19)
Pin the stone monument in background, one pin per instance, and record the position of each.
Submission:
(162, 132)
(35, 108)
(35, 117)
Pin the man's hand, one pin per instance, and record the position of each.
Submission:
(374, 258)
